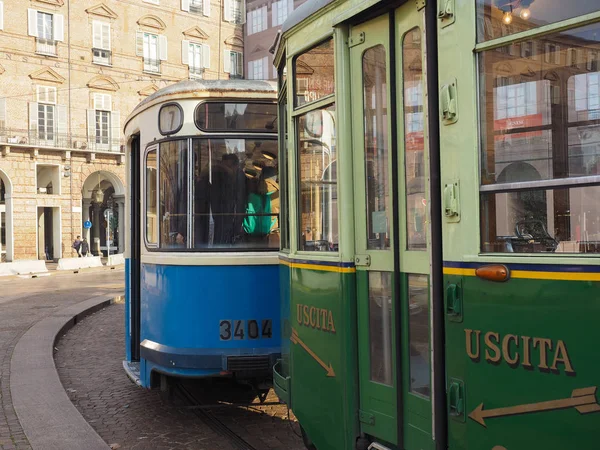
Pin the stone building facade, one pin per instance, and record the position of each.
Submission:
(263, 20)
(70, 73)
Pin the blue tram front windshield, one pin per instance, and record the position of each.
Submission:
(218, 116)
(235, 194)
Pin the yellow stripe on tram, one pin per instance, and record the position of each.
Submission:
(321, 267)
(532, 274)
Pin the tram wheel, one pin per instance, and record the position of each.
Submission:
(166, 389)
(307, 442)
(362, 443)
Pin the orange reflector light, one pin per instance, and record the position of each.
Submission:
(495, 272)
(224, 372)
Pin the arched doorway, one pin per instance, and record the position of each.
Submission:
(103, 204)
(6, 225)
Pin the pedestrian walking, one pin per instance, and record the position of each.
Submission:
(77, 246)
(85, 247)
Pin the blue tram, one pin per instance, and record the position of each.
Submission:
(202, 281)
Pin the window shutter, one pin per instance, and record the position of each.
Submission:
(61, 123)
(265, 18)
(2, 113)
(105, 36)
(206, 8)
(139, 43)
(249, 22)
(226, 61)
(185, 52)
(265, 68)
(91, 125)
(102, 101)
(162, 47)
(240, 64)
(185, 5)
(1, 15)
(227, 11)
(243, 11)
(59, 27)
(115, 131)
(32, 22)
(33, 116)
(205, 56)
(250, 71)
(275, 7)
(97, 34)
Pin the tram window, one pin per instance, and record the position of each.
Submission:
(173, 205)
(283, 139)
(218, 116)
(236, 194)
(418, 326)
(314, 75)
(414, 141)
(380, 327)
(498, 18)
(540, 160)
(151, 180)
(317, 167)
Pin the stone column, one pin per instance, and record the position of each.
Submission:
(121, 223)
(95, 245)
(85, 215)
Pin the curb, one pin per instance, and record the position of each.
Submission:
(48, 418)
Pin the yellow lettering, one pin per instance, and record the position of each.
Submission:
(545, 345)
(313, 320)
(526, 357)
(306, 320)
(562, 356)
(330, 325)
(506, 349)
(324, 321)
(492, 346)
(474, 355)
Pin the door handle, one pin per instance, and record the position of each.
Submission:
(456, 400)
(454, 304)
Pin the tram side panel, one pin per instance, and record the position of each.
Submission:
(207, 320)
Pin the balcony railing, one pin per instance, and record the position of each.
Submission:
(45, 47)
(196, 8)
(151, 65)
(31, 138)
(196, 72)
(102, 56)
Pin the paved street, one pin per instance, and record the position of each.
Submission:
(26, 301)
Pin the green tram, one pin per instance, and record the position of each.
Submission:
(440, 179)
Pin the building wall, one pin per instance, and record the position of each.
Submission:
(76, 78)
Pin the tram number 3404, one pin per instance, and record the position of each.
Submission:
(237, 329)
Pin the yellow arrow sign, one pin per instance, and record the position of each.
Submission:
(296, 340)
(583, 400)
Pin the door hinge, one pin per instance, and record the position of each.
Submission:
(446, 12)
(421, 4)
(357, 39)
(366, 417)
(454, 302)
(362, 260)
(456, 399)
(449, 102)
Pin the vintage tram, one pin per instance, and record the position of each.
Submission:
(202, 277)
(440, 174)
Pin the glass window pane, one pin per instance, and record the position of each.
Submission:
(151, 219)
(317, 155)
(376, 148)
(380, 326)
(414, 142)
(497, 18)
(314, 73)
(418, 325)
(541, 117)
(173, 194)
(542, 220)
(236, 194)
(215, 116)
(283, 139)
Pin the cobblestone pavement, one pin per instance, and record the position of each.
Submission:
(89, 362)
(26, 301)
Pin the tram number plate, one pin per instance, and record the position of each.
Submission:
(245, 329)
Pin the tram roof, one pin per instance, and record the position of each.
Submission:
(304, 11)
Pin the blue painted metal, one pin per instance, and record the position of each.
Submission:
(181, 309)
(127, 310)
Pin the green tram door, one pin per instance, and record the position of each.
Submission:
(391, 228)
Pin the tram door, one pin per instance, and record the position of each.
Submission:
(392, 258)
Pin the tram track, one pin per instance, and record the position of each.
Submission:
(203, 413)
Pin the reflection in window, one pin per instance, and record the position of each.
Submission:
(376, 147)
(283, 145)
(418, 325)
(414, 141)
(541, 123)
(216, 116)
(318, 181)
(173, 183)
(236, 194)
(380, 327)
(151, 177)
(314, 73)
(498, 18)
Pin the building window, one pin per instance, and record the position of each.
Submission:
(102, 128)
(257, 20)
(153, 48)
(101, 42)
(234, 11)
(46, 97)
(258, 69)
(47, 29)
(104, 124)
(196, 6)
(196, 57)
(234, 64)
(281, 10)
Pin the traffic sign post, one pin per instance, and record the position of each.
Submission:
(87, 224)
